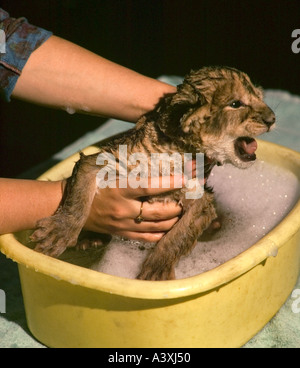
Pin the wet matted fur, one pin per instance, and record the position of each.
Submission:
(216, 111)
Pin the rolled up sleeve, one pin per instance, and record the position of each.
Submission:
(18, 41)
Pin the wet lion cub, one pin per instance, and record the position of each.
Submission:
(216, 111)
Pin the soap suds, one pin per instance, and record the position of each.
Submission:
(249, 203)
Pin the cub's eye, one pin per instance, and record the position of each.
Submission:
(236, 104)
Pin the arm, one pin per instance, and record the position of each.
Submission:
(63, 75)
(24, 202)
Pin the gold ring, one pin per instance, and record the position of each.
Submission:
(140, 218)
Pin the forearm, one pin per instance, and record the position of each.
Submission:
(63, 75)
(24, 202)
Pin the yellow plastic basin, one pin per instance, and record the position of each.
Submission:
(70, 306)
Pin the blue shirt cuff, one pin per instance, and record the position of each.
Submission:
(21, 40)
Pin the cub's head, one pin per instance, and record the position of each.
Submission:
(219, 112)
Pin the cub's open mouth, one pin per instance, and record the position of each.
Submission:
(245, 148)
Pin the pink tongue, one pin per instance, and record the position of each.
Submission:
(249, 148)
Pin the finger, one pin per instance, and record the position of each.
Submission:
(154, 226)
(153, 186)
(159, 211)
(144, 237)
(190, 169)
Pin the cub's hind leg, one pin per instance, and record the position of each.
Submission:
(180, 240)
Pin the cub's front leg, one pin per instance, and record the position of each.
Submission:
(180, 240)
(56, 233)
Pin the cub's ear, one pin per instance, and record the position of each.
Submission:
(189, 106)
(181, 110)
(194, 118)
(187, 95)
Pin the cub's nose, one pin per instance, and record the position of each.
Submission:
(269, 118)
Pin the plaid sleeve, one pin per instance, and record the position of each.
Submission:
(18, 39)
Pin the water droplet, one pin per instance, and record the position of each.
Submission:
(70, 110)
(85, 108)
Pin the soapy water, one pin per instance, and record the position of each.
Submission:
(249, 203)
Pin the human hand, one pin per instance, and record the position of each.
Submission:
(114, 211)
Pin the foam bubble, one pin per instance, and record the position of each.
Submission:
(123, 257)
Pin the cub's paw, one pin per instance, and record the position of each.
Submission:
(90, 240)
(53, 235)
(156, 271)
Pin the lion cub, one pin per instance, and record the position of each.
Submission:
(217, 112)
